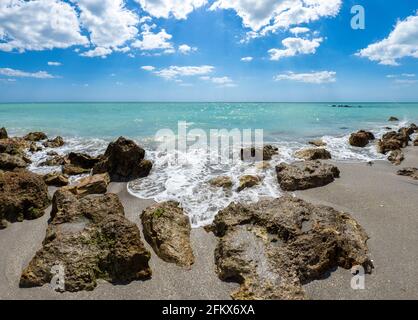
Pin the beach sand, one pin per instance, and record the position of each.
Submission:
(384, 204)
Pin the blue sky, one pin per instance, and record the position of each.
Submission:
(215, 50)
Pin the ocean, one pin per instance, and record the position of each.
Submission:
(89, 127)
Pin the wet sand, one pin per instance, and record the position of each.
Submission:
(385, 205)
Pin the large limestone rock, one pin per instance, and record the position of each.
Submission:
(72, 170)
(305, 175)
(90, 239)
(23, 195)
(10, 162)
(83, 160)
(54, 143)
(313, 154)
(393, 119)
(393, 141)
(13, 146)
(56, 179)
(273, 247)
(248, 181)
(96, 184)
(267, 153)
(318, 143)
(221, 182)
(361, 138)
(55, 160)
(124, 161)
(167, 230)
(409, 172)
(3, 133)
(35, 136)
(396, 157)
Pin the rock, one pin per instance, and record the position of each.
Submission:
(416, 142)
(3, 133)
(90, 239)
(52, 153)
(56, 160)
(13, 146)
(54, 143)
(409, 172)
(273, 247)
(83, 160)
(9, 162)
(396, 157)
(414, 127)
(393, 141)
(313, 154)
(221, 182)
(393, 119)
(96, 184)
(317, 143)
(264, 165)
(124, 161)
(24, 195)
(167, 229)
(305, 175)
(34, 147)
(248, 181)
(361, 138)
(35, 136)
(56, 179)
(248, 154)
(71, 170)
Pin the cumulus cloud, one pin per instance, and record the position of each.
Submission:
(8, 72)
(299, 30)
(220, 81)
(173, 72)
(267, 16)
(178, 9)
(38, 25)
(247, 59)
(154, 41)
(186, 49)
(97, 52)
(312, 77)
(295, 46)
(402, 42)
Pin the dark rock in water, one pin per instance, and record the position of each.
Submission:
(273, 247)
(167, 229)
(124, 161)
(3, 133)
(24, 195)
(313, 154)
(250, 154)
(9, 162)
(13, 146)
(35, 136)
(248, 181)
(56, 179)
(90, 239)
(393, 141)
(318, 143)
(34, 147)
(305, 175)
(72, 170)
(221, 182)
(393, 119)
(83, 160)
(361, 138)
(409, 172)
(396, 157)
(414, 127)
(56, 160)
(54, 143)
(96, 184)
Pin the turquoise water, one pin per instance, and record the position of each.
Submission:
(88, 127)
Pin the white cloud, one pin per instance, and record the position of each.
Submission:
(401, 42)
(54, 63)
(174, 72)
(247, 59)
(154, 41)
(313, 77)
(38, 25)
(178, 9)
(220, 81)
(148, 68)
(267, 16)
(405, 81)
(8, 72)
(295, 46)
(299, 30)
(186, 49)
(97, 52)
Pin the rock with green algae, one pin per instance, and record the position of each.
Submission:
(91, 239)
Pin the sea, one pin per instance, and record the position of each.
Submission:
(183, 175)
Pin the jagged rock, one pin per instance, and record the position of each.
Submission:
(34, 147)
(393, 119)
(167, 229)
(52, 153)
(361, 138)
(83, 160)
(3, 133)
(56, 179)
(13, 146)
(248, 181)
(409, 172)
(35, 136)
(416, 142)
(9, 162)
(124, 161)
(72, 170)
(318, 143)
(393, 141)
(313, 154)
(91, 239)
(221, 182)
(396, 157)
(267, 153)
(96, 184)
(273, 247)
(305, 175)
(23, 195)
(54, 143)
(56, 160)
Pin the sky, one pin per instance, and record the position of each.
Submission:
(208, 50)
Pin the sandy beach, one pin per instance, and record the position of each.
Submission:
(383, 203)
